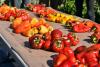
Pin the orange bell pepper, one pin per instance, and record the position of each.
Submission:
(24, 26)
(16, 22)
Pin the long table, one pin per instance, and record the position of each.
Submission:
(36, 57)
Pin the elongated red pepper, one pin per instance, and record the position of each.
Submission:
(94, 47)
(71, 61)
(80, 57)
(59, 59)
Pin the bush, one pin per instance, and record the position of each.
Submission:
(69, 7)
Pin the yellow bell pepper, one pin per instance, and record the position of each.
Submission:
(30, 32)
(34, 21)
(43, 29)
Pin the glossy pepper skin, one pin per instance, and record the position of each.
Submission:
(89, 23)
(67, 42)
(71, 35)
(94, 47)
(56, 34)
(73, 38)
(59, 59)
(30, 32)
(80, 28)
(43, 29)
(46, 36)
(47, 45)
(84, 57)
(88, 56)
(80, 54)
(91, 58)
(71, 60)
(23, 14)
(16, 23)
(57, 45)
(80, 49)
(24, 26)
(69, 53)
(68, 63)
(36, 41)
(75, 42)
(9, 14)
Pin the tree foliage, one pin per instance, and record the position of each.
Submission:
(69, 7)
(2, 1)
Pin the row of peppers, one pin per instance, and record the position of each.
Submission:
(71, 22)
(82, 56)
(38, 31)
(65, 19)
(54, 41)
(49, 39)
(22, 22)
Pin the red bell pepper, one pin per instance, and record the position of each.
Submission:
(80, 57)
(47, 45)
(47, 36)
(91, 58)
(80, 49)
(67, 42)
(57, 45)
(71, 61)
(56, 34)
(36, 41)
(73, 38)
(80, 28)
